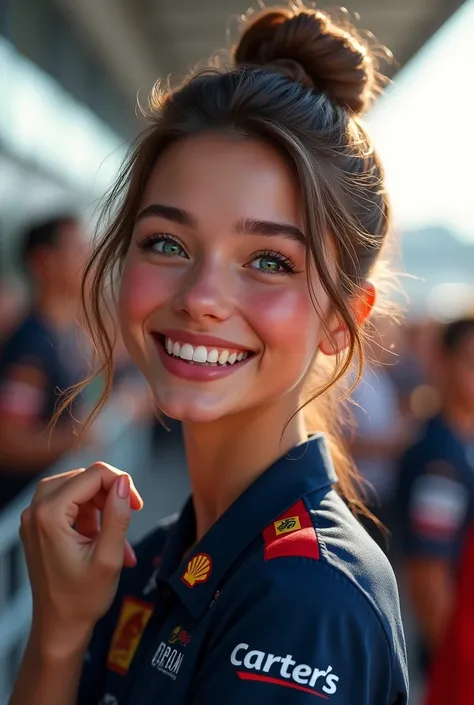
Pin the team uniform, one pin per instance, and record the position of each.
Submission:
(437, 497)
(437, 493)
(284, 600)
(36, 365)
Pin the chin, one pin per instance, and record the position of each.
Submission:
(190, 411)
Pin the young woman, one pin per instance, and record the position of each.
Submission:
(251, 216)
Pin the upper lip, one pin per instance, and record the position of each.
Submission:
(195, 339)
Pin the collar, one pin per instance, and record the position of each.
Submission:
(195, 580)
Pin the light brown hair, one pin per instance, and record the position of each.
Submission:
(299, 82)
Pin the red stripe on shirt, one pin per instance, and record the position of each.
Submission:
(277, 681)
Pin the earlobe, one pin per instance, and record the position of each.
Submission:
(362, 306)
(336, 342)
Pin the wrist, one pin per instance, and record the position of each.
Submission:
(59, 644)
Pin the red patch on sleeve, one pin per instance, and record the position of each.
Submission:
(292, 534)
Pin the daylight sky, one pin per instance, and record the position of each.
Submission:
(423, 128)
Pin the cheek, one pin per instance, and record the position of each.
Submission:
(141, 292)
(285, 319)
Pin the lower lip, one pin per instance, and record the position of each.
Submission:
(200, 373)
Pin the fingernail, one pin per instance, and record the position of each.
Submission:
(123, 486)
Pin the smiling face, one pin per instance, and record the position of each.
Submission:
(214, 301)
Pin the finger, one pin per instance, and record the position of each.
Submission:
(83, 487)
(48, 485)
(100, 498)
(88, 521)
(110, 545)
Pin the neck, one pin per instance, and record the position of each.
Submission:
(460, 417)
(58, 309)
(225, 457)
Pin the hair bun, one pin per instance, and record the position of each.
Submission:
(308, 47)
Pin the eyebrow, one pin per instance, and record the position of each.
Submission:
(269, 229)
(175, 215)
(247, 226)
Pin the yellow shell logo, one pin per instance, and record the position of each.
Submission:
(198, 570)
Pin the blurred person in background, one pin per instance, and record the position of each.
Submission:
(42, 355)
(436, 493)
(12, 304)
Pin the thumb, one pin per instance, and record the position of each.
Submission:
(110, 546)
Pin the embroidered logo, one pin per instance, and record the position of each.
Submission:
(198, 570)
(133, 619)
(285, 526)
(180, 636)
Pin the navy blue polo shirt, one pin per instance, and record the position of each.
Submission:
(284, 600)
(437, 493)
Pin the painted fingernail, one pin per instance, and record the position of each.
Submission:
(123, 486)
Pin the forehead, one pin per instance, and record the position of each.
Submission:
(227, 178)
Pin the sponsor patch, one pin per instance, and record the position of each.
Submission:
(292, 534)
(133, 619)
(179, 635)
(438, 507)
(168, 659)
(283, 671)
(285, 526)
(198, 570)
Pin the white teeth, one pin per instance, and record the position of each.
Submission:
(212, 356)
(200, 354)
(186, 352)
(223, 357)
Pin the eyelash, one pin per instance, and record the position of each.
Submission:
(148, 242)
(287, 264)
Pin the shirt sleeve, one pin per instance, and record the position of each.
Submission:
(311, 636)
(437, 509)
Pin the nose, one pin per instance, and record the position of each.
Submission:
(205, 293)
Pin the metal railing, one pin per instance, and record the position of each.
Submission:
(123, 443)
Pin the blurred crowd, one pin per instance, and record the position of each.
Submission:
(412, 438)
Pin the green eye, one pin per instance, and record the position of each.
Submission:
(169, 248)
(272, 263)
(268, 264)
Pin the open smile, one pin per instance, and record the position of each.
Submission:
(197, 357)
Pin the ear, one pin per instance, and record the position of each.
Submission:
(362, 305)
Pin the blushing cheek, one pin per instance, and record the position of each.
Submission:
(141, 292)
(283, 318)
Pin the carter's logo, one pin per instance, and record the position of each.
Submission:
(198, 570)
(286, 526)
(179, 636)
(133, 619)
